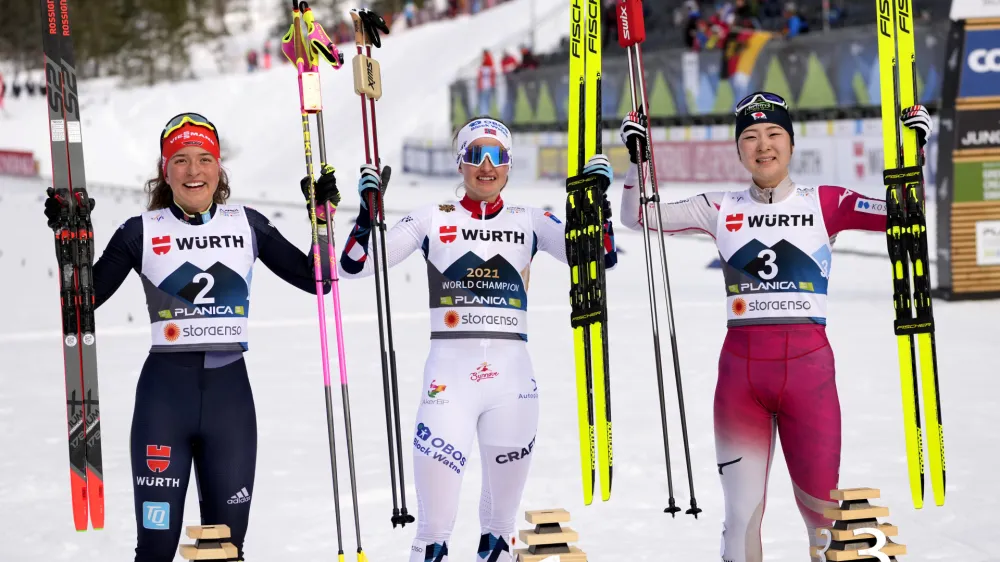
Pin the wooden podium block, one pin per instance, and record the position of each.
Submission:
(855, 513)
(574, 555)
(890, 549)
(870, 512)
(854, 494)
(209, 543)
(209, 550)
(844, 535)
(545, 516)
(209, 532)
(548, 539)
(554, 536)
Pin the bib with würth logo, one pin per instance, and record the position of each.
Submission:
(477, 273)
(197, 280)
(775, 258)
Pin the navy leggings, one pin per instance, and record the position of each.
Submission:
(186, 412)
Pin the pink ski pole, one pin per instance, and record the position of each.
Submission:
(303, 48)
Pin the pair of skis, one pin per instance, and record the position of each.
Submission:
(585, 218)
(631, 35)
(906, 233)
(585, 249)
(74, 240)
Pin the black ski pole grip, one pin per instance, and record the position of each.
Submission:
(386, 174)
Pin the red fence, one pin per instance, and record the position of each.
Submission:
(18, 163)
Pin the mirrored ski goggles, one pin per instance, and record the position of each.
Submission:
(182, 119)
(476, 155)
(760, 97)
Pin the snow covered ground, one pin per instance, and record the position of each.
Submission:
(292, 516)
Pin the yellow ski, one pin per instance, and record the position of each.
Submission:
(906, 235)
(585, 250)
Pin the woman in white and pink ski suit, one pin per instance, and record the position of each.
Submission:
(776, 369)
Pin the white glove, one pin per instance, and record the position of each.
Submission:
(918, 119)
(599, 164)
(634, 134)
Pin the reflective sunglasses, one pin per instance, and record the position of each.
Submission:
(476, 155)
(182, 119)
(760, 97)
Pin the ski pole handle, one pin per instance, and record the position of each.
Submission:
(386, 174)
(318, 42)
(631, 24)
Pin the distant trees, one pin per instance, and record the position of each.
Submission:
(147, 41)
(142, 40)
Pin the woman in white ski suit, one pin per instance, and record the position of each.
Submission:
(478, 378)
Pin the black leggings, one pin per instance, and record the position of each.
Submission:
(185, 412)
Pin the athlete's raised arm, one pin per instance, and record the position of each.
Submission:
(695, 215)
(404, 238)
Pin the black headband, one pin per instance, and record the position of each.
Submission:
(764, 112)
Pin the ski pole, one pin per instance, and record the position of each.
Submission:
(321, 43)
(306, 61)
(373, 25)
(631, 34)
(672, 508)
(368, 85)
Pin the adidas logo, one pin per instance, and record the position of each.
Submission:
(242, 496)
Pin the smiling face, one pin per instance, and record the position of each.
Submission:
(193, 176)
(484, 182)
(765, 151)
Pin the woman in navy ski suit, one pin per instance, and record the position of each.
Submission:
(195, 254)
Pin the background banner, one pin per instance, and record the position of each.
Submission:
(978, 129)
(818, 71)
(18, 163)
(981, 64)
(843, 152)
(968, 9)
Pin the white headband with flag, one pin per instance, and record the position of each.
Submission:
(483, 129)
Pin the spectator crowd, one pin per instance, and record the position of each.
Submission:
(28, 87)
(486, 78)
(735, 21)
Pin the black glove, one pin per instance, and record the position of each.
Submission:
(57, 209)
(634, 134)
(325, 189)
(373, 25)
(605, 206)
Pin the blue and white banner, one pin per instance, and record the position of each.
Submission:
(981, 64)
(971, 9)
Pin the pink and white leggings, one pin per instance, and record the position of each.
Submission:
(775, 381)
